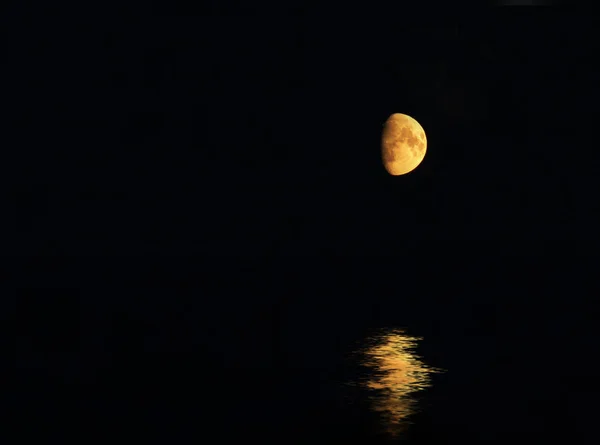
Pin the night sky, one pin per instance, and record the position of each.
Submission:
(205, 229)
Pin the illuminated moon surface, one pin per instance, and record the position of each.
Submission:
(403, 144)
(397, 373)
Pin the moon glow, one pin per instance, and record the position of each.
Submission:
(403, 144)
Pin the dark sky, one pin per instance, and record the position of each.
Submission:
(248, 139)
(216, 185)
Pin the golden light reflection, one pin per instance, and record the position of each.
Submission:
(396, 374)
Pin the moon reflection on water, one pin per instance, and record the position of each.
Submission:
(396, 374)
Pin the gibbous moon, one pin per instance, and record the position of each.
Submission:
(403, 144)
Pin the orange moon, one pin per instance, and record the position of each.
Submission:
(403, 144)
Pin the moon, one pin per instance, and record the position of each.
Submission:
(403, 144)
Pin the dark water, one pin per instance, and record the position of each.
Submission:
(156, 370)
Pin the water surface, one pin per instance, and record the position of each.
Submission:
(396, 375)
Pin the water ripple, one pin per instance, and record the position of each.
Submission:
(396, 373)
